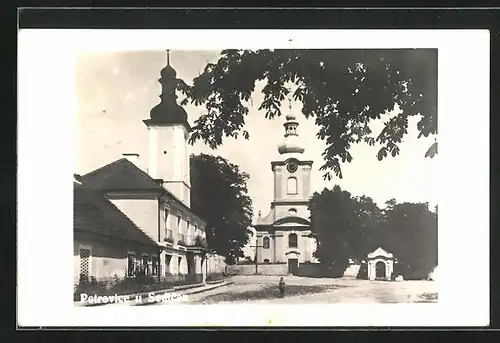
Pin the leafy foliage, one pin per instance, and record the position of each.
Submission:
(411, 232)
(344, 90)
(350, 227)
(219, 194)
(341, 223)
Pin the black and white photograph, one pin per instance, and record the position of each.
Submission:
(277, 176)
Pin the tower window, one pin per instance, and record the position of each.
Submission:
(292, 240)
(292, 211)
(292, 185)
(265, 243)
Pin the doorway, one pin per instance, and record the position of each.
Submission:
(380, 270)
(293, 266)
(190, 263)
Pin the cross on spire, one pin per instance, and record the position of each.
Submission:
(168, 57)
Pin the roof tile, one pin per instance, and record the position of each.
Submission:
(94, 213)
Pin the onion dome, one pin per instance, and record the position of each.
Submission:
(168, 111)
(291, 143)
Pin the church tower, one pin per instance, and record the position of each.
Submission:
(168, 131)
(284, 233)
(292, 174)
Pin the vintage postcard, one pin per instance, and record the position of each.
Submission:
(294, 180)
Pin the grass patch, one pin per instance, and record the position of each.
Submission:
(266, 292)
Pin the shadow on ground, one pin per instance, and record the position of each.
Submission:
(267, 292)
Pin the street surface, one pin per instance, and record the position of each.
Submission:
(260, 289)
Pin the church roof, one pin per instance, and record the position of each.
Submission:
(286, 221)
(120, 175)
(291, 144)
(266, 220)
(94, 213)
(168, 111)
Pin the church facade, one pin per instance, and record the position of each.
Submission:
(283, 235)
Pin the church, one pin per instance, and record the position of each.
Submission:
(283, 235)
(130, 216)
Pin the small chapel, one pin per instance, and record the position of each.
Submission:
(283, 233)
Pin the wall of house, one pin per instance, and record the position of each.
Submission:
(143, 212)
(108, 257)
(189, 224)
(174, 262)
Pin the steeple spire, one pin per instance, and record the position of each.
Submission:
(291, 143)
(168, 111)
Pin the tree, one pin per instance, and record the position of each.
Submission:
(332, 225)
(343, 225)
(412, 231)
(344, 90)
(347, 226)
(219, 195)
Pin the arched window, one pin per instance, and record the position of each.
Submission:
(292, 185)
(292, 240)
(292, 212)
(266, 243)
(266, 260)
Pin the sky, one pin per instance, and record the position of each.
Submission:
(115, 91)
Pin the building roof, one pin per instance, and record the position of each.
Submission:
(379, 252)
(291, 144)
(94, 213)
(168, 111)
(124, 176)
(120, 175)
(266, 220)
(286, 221)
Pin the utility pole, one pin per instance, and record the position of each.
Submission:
(256, 246)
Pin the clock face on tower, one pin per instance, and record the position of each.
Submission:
(291, 167)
